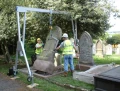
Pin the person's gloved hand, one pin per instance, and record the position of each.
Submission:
(55, 50)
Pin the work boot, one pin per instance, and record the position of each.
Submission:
(72, 72)
(65, 74)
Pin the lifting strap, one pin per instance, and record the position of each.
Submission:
(50, 17)
(74, 28)
(50, 22)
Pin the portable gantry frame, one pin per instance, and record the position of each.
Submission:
(20, 43)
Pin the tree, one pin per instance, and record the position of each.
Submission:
(115, 39)
(8, 23)
(91, 15)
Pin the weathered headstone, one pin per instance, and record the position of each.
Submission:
(86, 59)
(104, 51)
(57, 59)
(99, 48)
(94, 48)
(45, 61)
(108, 49)
(74, 53)
(118, 49)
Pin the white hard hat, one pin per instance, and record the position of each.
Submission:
(65, 35)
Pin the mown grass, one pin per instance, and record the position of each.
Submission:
(43, 84)
(70, 81)
(107, 59)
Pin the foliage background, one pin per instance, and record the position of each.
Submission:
(91, 16)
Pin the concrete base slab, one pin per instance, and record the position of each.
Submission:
(13, 78)
(40, 74)
(88, 76)
(82, 67)
(85, 77)
(32, 85)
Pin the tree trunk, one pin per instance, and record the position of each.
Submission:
(6, 52)
(3, 50)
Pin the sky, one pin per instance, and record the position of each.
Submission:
(115, 22)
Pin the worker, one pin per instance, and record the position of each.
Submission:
(39, 47)
(67, 48)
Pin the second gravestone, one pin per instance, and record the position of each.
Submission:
(86, 59)
(99, 48)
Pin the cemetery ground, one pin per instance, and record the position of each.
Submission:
(57, 83)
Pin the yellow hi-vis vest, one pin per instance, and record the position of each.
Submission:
(39, 50)
(68, 47)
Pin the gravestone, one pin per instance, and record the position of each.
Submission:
(104, 51)
(118, 49)
(85, 57)
(99, 48)
(108, 49)
(45, 62)
(94, 48)
(74, 53)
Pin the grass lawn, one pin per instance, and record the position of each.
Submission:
(107, 59)
(47, 85)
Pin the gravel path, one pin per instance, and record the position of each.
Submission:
(7, 84)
